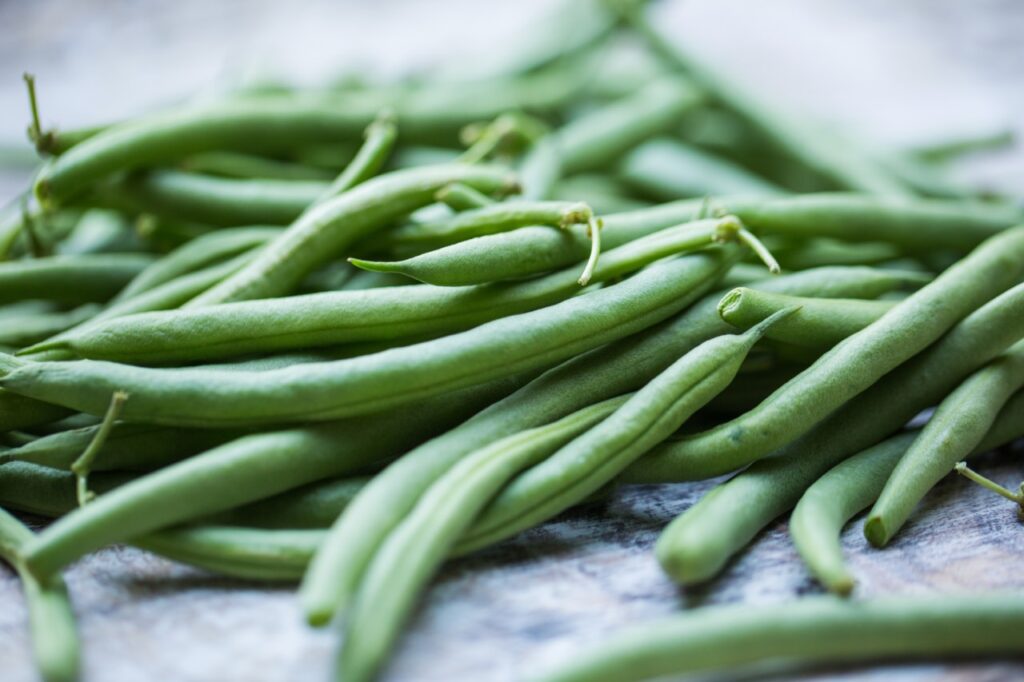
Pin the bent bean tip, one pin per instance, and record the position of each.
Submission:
(875, 531)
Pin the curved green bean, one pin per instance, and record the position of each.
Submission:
(596, 457)
(696, 545)
(330, 227)
(251, 167)
(810, 630)
(413, 552)
(316, 505)
(958, 425)
(54, 637)
(360, 385)
(819, 322)
(850, 367)
(854, 484)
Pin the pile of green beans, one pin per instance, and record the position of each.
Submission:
(339, 336)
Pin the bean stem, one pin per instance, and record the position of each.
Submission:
(82, 466)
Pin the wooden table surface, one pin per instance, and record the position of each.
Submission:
(893, 72)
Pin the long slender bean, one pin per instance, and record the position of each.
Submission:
(356, 316)
(697, 545)
(413, 552)
(48, 492)
(330, 227)
(850, 367)
(20, 412)
(808, 631)
(622, 366)
(958, 425)
(251, 167)
(819, 322)
(54, 636)
(360, 385)
(247, 469)
(18, 332)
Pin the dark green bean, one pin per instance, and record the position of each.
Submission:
(602, 373)
(18, 332)
(696, 545)
(811, 630)
(20, 412)
(251, 167)
(850, 367)
(316, 505)
(819, 323)
(958, 425)
(69, 279)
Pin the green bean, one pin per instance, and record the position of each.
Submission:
(101, 231)
(251, 167)
(850, 367)
(944, 151)
(540, 169)
(831, 156)
(162, 297)
(459, 197)
(332, 226)
(316, 505)
(603, 373)
(752, 387)
(958, 425)
(132, 447)
(413, 552)
(379, 140)
(815, 253)
(819, 323)
(696, 545)
(209, 199)
(812, 630)
(54, 636)
(20, 412)
(921, 224)
(666, 170)
(69, 279)
(345, 317)
(249, 553)
(247, 469)
(22, 331)
(600, 137)
(596, 457)
(854, 484)
(359, 385)
(196, 254)
(47, 492)
(491, 219)
(601, 192)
